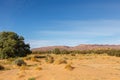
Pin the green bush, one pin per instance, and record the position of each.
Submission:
(19, 62)
(12, 45)
(56, 51)
(32, 78)
(65, 52)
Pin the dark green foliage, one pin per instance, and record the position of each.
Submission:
(39, 56)
(111, 52)
(72, 54)
(65, 52)
(12, 45)
(19, 62)
(56, 51)
(1, 67)
(41, 52)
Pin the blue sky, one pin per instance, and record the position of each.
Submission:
(62, 22)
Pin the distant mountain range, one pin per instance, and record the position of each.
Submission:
(79, 47)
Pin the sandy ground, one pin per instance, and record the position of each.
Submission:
(85, 68)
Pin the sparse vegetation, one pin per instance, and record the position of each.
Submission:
(61, 61)
(111, 52)
(38, 68)
(33, 70)
(19, 62)
(34, 59)
(32, 78)
(11, 59)
(27, 58)
(49, 59)
(56, 51)
(23, 67)
(58, 56)
(69, 67)
(65, 52)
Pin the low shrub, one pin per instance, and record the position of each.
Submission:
(27, 58)
(2, 67)
(69, 67)
(11, 59)
(39, 56)
(19, 62)
(56, 51)
(49, 59)
(61, 61)
(73, 54)
(38, 68)
(34, 59)
(23, 67)
(32, 78)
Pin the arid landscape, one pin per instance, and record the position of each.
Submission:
(59, 39)
(63, 67)
(79, 47)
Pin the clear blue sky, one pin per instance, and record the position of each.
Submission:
(62, 22)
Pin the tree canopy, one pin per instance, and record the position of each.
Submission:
(12, 45)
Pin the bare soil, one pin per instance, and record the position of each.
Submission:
(86, 67)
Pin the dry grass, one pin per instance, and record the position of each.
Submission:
(27, 58)
(49, 59)
(38, 68)
(23, 67)
(19, 62)
(34, 59)
(96, 66)
(60, 61)
(32, 78)
(69, 67)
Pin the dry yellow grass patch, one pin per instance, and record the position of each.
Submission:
(60, 61)
(69, 67)
(83, 67)
(38, 68)
(23, 67)
(49, 59)
(34, 59)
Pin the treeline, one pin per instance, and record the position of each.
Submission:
(111, 52)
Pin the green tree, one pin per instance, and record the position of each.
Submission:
(65, 52)
(12, 45)
(56, 51)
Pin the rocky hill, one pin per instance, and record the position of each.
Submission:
(79, 47)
